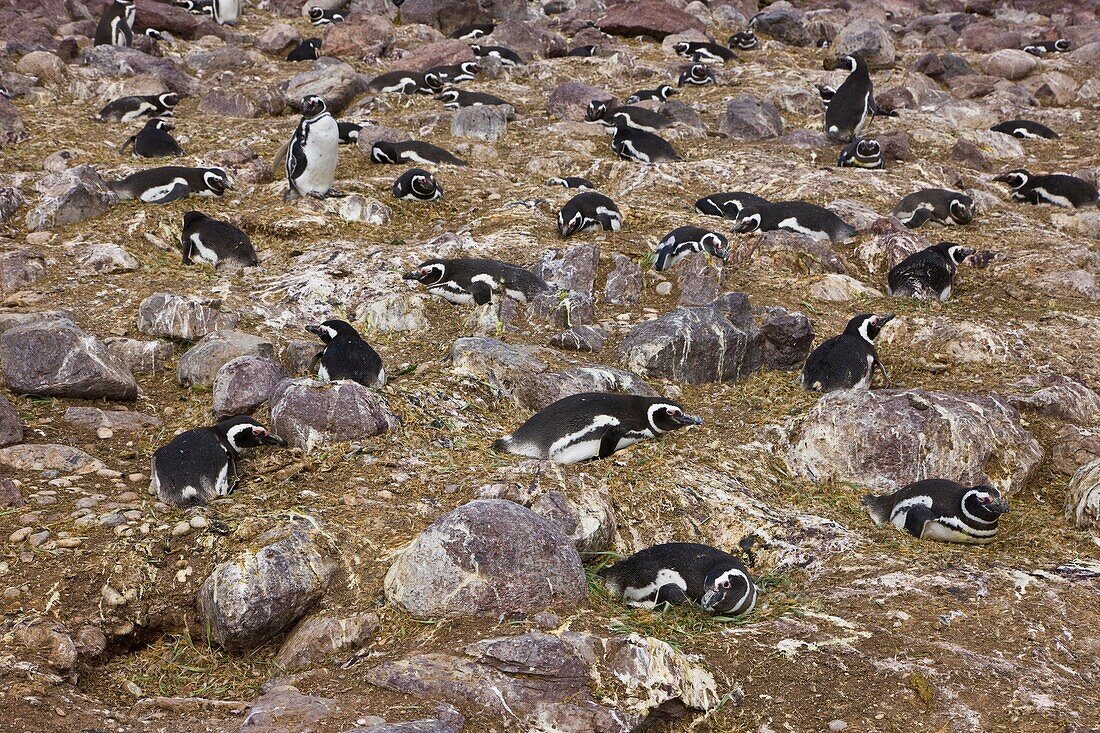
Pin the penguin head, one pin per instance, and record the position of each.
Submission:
(383, 151)
(698, 74)
(470, 67)
(953, 251)
(723, 589)
(1062, 44)
(433, 82)
(868, 325)
(962, 211)
(313, 106)
(158, 124)
(666, 416)
(216, 180)
(448, 96)
(333, 328)
(1035, 50)
(5, 93)
(847, 63)
(1017, 178)
(596, 110)
(154, 34)
(190, 218)
(475, 47)
(682, 47)
(665, 91)
(244, 432)
(868, 148)
(316, 14)
(430, 272)
(168, 99)
(748, 221)
(572, 225)
(715, 244)
(423, 184)
(984, 503)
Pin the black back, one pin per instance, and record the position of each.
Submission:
(928, 272)
(404, 152)
(228, 242)
(194, 459)
(727, 205)
(691, 561)
(841, 362)
(347, 356)
(851, 104)
(104, 31)
(307, 50)
(154, 142)
(1025, 129)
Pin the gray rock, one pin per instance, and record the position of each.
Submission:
(487, 557)
(119, 62)
(485, 122)
(570, 100)
(93, 418)
(284, 709)
(101, 258)
(9, 321)
(653, 18)
(58, 359)
(589, 520)
(700, 281)
(248, 102)
(682, 112)
(277, 39)
(10, 495)
(183, 317)
(799, 253)
(784, 24)
(11, 198)
(69, 197)
(19, 269)
(317, 638)
(447, 720)
(787, 337)
(200, 364)
(1083, 497)
(868, 37)
(334, 81)
(572, 268)
(892, 244)
(11, 425)
(1056, 396)
(861, 216)
(299, 355)
(12, 129)
(309, 414)
(624, 282)
(1010, 63)
(49, 457)
(245, 383)
(248, 600)
(1073, 447)
(748, 118)
(580, 338)
(144, 357)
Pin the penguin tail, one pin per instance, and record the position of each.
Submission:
(878, 507)
(503, 445)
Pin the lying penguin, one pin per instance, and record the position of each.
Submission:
(941, 510)
(466, 281)
(929, 273)
(171, 183)
(347, 355)
(216, 243)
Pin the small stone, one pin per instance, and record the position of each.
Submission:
(199, 522)
(136, 478)
(39, 538)
(105, 433)
(20, 535)
(69, 543)
(663, 288)
(181, 528)
(837, 725)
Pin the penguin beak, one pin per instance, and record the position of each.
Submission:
(882, 320)
(709, 600)
(1000, 506)
(685, 419)
(1003, 178)
(270, 439)
(315, 330)
(414, 275)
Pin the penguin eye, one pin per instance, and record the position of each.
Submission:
(259, 432)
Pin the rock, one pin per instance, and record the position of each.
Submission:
(842, 289)
(986, 36)
(278, 39)
(699, 280)
(45, 66)
(394, 312)
(200, 364)
(246, 103)
(589, 521)
(798, 100)
(892, 244)
(487, 557)
(145, 357)
(570, 100)
(1010, 63)
(177, 21)
(50, 640)
(317, 638)
(782, 22)
(245, 383)
(183, 317)
(447, 720)
(225, 58)
(119, 62)
(12, 129)
(572, 269)
(624, 282)
(250, 599)
(580, 338)
(861, 216)
(10, 495)
(9, 321)
(310, 414)
(867, 37)
(943, 67)
(439, 53)
(1058, 397)
(748, 118)
(1073, 447)
(11, 199)
(485, 122)
(895, 146)
(69, 197)
(1085, 223)
(94, 418)
(58, 359)
(653, 18)
(366, 36)
(787, 337)
(798, 253)
(19, 269)
(1083, 497)
(360, 208)
(449, 15)
(335, 82)
(284, 709)
(964, 437)
(101, 258)
(970, 155)
(964, 342)
(11, 425)
(49, 457)
(679, 111)
(1053, 89)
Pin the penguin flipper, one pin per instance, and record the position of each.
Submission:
(605, 221)
(481, 292)
(916, 518)
(129, 141)
(671, 594)
(919, 217)
(610, 442)
(179, 191)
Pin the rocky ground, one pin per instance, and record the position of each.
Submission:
(276, 608)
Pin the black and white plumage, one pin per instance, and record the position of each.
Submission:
(1054, 188)
(346, 355)
(325, 16)
(170, 183)
(745, 40)
(638, 118)
(313, 152)
(155, 34)
(128, 109)
(938, 205)
(571, 182)
(456, 73)
(406, 82)
(507, 56)
(582, 51)
(929, 273)
(942, 510)
(827, 93)
(116, 25)
(307, 50)
(727, 205)
(587, 212)
(642, 146)
(154, 140)
(1025, 130)
(196, 7)
(847, 361)
(1039, 48)
(593, 425)
(473, 31)
(216, 243)
(349, 132)
(225, 12)
(478, 282)
(199, 465)
(696, 75)
(412, 151)
(863, 152)
(456, 98)
(680, 572)
(851, 106)
(417, 184)
(794, 216)
(682, 241)
(660, 94)
(704, 51)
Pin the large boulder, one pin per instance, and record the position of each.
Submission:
(334, 81)
(1057, 396)
(1083, 497)
(1010, 63)
(308, 413)
(49, 457)
(58, 359)
(245, 383)
(783, 23)
(69, 197)
(487, 558)
(654, 18)
(284, 709)
(450, 15)
(119, 62)
(367, 36)
(869, 38)
(182, 317)
(144, 357)
(19, 269)
(177, 21)
(11, 425)
(569, 101)
(318, 637)
(483, 122)
(200, 364)
(748, 118)
(884, 439)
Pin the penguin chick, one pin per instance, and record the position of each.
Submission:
(589, 211)
(938, 205)
(417, 184)
(728, 205)
(592, 425)
(941, 510)
(660, 94)
(794, 216)
(154, 140)
(863, 152)
(216, 243)
(846, 361)
(682, 241)
(1055, 188)
(929, 273)
(466, 281)
(346, 355)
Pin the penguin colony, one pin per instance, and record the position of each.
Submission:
(201, 464)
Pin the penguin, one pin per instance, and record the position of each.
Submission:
(456, 73)
(507, 56)
(727, 205)
(216, 243)
(572, 182)
(794, 216)
(1038, 48)
(745, 40)
(703, 51)
(307, 50)
(638, 118)
(473, 31)
(154, 140)
(406, 82)
(850, 107)
(196, 7)
(314, 148)
(466, 281)
(412, 151)
(863, 152)
(929, 273)
(116, 25)
(682, 241)
(199, 465)
(938, 205)
(588, 212)
(346, 355)
(225, 12)
(155, 34)
(696, 75)
(170, 183)
(827, 93)
(1025, 130)
(942, 510)
(846, 361)
(417, 184)
(1055, 188)
(456, 98)
(128, 109)
(349, 132)
(660, 94)
(644, 147)
(677, 573)
(325, 16)
(581, 51)
(592, 425)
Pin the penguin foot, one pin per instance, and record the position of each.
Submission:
(290, 195)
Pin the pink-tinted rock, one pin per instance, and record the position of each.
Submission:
(570, 100)
(360, 37)
(653, 18)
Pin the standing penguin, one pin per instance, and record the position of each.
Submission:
(593, 425)
(116, 25)
(154, 140)
(941, 510)
(682, 241)
(465, 281)
(846, 361)
(226, 12)
(587, 212)
(863, 152)
(347, 356)
(929, 273)
(216, 243)
(311, 157)
(794, 216)
(199, 465)
(850, 107)
(1055, 188)
(417, 184)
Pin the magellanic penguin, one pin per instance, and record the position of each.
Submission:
(349, 132)
(638, 118)
(745, 40)
(307, 50)
(195, 7)
(406, 82)
(696, 75)
(170, 183)
(456, 98)
(846, 361)
(127, 109)
(863, 152)
(225, 12)
(937, 205)
(417, 184)
(1025, 130)
(346, 355)
(587, 212)
(941, 510)
(593, 425)
(507, 56)
(216, 243)
(1055, 188)
(314, 149)
(456, 73)
(412, 151)
(199, 465)
(644, 147)
(116, 25)
(466, 281)
(572, 182)
(325, 16)
(1038, 48)
(827, 93)
(929, 273)
(154, 140)
(850, 107)
(660, 94)
(794, 216)
(728, 205)
(703, 51)
(472, 31)
(680, 572)
(682, 241)
(582, 51)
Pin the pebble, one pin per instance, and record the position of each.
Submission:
(20, 534)
(664, 288)
(108, 473)
(134, 690)
(11, 593)
(61, 483)
(128, 496)
(199, 522)
(181, 528)
(112, 520)
(112, 597)
(136, 478)
(133, 515)
(105, 433)
(86, 521)
(69, 543)
(837, 725)
(44, 500)
(39, 538)
(87, 502)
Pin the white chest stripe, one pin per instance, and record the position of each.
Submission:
(645, 596)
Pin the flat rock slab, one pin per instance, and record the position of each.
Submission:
(652, 18)
(182, 317)
(49, 457)
(93, 418)
(199, 366)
